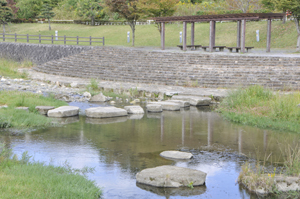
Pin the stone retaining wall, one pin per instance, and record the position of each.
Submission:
(38, 53)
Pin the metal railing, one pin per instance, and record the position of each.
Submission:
(53, 39)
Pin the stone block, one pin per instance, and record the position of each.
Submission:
(64, 111)
(194, 100)
(168, 106)
(43, 110)
(176, 155)
(154, 108)
(134, 109)
(182, 103)
(104, 112)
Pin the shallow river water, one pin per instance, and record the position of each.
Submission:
(118, 148)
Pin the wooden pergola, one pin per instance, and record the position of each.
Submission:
(241, 26)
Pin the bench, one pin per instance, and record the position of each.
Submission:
(191, 47)
(237, 49)
(221, 48)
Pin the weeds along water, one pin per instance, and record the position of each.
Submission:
(260, 107)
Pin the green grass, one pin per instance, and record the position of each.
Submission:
(9, 68)
(261, 107)
(10, 117)
(283, 35)
(23, 179)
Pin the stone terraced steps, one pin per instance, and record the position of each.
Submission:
(215, 71)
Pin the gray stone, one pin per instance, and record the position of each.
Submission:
(154, 108)
(103, 112)
(87, 95)
(176, 155)
(23, 108)
(194, 100)
(64, 111)
(74, 85)
(169, 106)
(134, 109)
(4, 106)
(99, 98)
(182, 103)
(171, 176)
(43, 110)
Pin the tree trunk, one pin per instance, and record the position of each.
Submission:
(298, 31)
(284, 18)
(132, 26)
(49, 24)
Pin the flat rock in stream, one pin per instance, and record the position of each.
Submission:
(171, 176)
(182, 103)
(134, 109)
(168, 106)
(64, 111)
(176, 155)
(193, 100)
(104, 112)
(43, 110)
(155, 108)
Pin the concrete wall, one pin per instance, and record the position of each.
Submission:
(38, 53)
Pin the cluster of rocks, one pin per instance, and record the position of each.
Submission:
(172, 176)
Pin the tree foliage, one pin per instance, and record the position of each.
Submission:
(128, 9)
(46, 12)
(243, 5)
(6, 13)
(90, 9)
(29, 8)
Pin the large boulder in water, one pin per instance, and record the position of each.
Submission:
(171, 176)
(64, 111)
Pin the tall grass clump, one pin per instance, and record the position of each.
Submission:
(14, 118)
(20, 178)
(9, 68)
(263, 108)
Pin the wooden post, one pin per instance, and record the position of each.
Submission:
(15, 37)
(27, 38)
(90, 40)
(212, 33)
(192, 34)
(77, 40)
(39, 38)
(269, 35)
(238, 36)
(162, 35)
(243, 34)
(64, 39)
(184, 36)
(103, 41)
(52, 39)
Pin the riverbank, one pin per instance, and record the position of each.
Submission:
(21, 178)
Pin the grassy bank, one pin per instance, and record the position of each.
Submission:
(283, 35)
(13, 118)
(22, 179)
(9, 68)
(261, 107)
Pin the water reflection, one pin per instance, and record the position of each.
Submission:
(120, 147)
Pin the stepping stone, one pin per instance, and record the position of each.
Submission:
(176, 155)
(103, 112)
(156, 108)
(64, 111)
(171, 176)
(182, 103)
(134, 109)
(194, 100)
(168, 106)
(43, 110)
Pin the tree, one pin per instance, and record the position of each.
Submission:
(128, 9)
(90, 9)
(243, 5)
(292, 6)
(12, 5)
(46, 12)
(158, 8)
(29, 8)
(6, 13)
